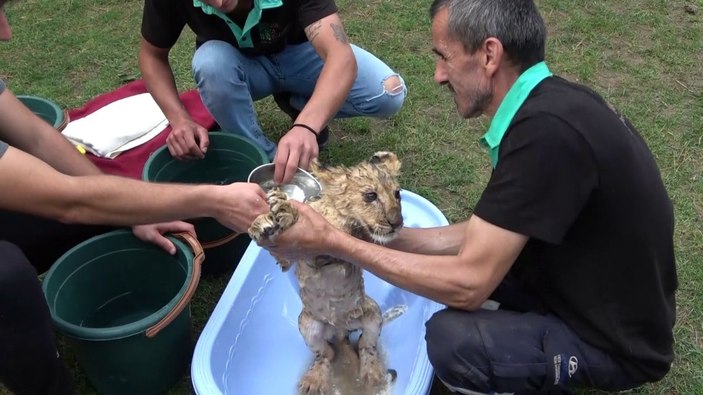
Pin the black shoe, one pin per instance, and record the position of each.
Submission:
(282, 99)
(323, 138)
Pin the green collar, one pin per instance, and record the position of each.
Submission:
(510, 105)
(243, 36)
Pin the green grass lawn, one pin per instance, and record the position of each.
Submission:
(644, 56)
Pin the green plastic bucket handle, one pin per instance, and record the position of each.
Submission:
(198, 258)
(64, 122)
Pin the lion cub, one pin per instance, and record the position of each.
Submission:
(364, 201)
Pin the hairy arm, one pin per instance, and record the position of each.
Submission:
(298, 147)
(158, 76)
(463, 280)
(102, 199)
(338, 73)
(187, 140)
(443, 240)
(39, 189)
(21, 128)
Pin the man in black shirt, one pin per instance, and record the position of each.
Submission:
(564, 276)
(250, 49)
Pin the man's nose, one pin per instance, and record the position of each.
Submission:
(440, 75)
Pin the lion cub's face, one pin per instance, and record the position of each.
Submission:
(364, 199)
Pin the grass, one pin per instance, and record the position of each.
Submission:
(644, 56)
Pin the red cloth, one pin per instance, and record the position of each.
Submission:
(131, 162)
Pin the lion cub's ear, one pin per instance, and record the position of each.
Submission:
(386, 161)
(327, 175)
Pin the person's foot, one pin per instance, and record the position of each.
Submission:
(282, 99)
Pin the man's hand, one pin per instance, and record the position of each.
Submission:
(154, 233)
(187, 140)
(296, 149)
(310, 236)
(243, 203)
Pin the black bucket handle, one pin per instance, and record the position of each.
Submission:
(198, 258)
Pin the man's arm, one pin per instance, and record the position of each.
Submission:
(442, 240)
(464, 280)
(24, 130)
(21, 128)
(187, 139)
(330, 41)
(298, 147)
(38, 189)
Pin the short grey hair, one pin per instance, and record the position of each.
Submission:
(517, 24)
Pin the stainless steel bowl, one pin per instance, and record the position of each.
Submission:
(302, 187)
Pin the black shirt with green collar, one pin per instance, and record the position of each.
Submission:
(578, 179)
(266, 29)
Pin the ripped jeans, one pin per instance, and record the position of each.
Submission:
(229, 83)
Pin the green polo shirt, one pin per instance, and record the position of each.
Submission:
(242, 34)
(510, 105)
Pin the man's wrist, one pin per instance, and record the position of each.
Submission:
(212, 200)
(337, 242)
(306, 127)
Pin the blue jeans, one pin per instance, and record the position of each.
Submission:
(229, 83)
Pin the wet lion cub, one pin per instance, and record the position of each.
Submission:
(364, 201)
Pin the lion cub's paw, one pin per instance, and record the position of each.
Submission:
(373, 374)
(314, 383)
(281, 217)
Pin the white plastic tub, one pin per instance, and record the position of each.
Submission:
(251, 344)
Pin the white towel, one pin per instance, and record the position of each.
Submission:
(118, 126)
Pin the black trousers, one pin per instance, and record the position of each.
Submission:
(516, 350)
(29, 360)
(43, 240)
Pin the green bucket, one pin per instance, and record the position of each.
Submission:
(46, 110)
(124, 305)
(230, 158)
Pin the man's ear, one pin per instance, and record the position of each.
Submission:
(493, 55)
(386, 161)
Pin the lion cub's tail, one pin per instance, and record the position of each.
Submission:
(393, 313)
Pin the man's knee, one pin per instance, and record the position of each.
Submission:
(17, 275)
(382, 101)
(392, 98)
(394, 85)
(14, 265)
(450, 332)
(212, 59)
(456, 350)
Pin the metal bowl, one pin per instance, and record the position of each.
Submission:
(302, 187)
